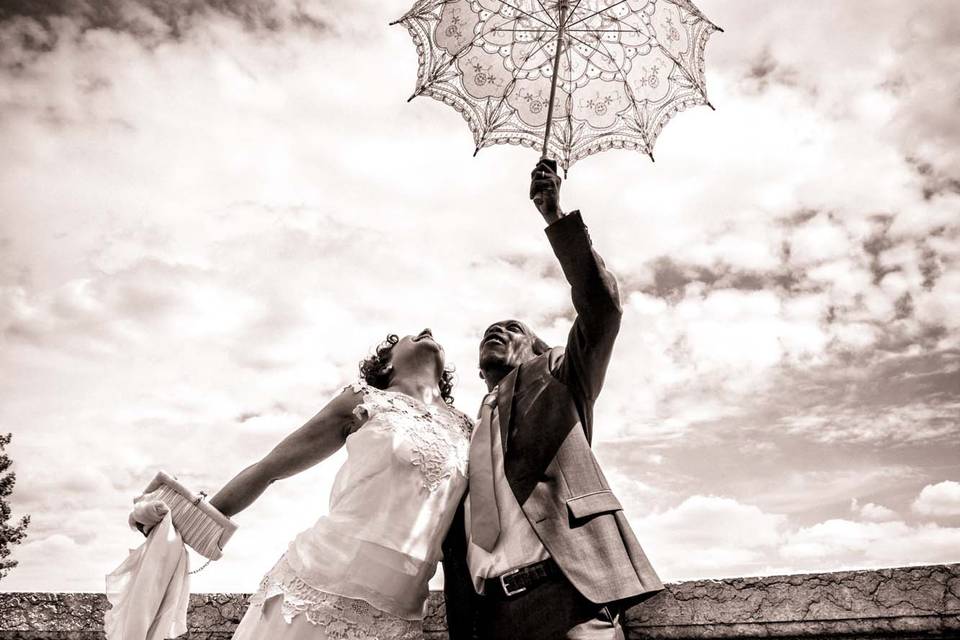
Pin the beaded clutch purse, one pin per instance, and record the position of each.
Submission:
(202, 527)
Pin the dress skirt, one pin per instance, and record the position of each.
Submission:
(341, 619)
(266, 622)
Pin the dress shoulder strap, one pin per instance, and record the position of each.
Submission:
(372, 401)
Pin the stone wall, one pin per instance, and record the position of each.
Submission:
(915, 602)
(903, 604)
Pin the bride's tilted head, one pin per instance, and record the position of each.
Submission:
(412, 355)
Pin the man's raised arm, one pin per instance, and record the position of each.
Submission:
(596, 297)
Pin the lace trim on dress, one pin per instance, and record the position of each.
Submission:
(340, 617)
(440, 437)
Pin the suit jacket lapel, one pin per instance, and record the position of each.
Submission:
(505, 405)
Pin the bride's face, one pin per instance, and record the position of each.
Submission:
(417, 351)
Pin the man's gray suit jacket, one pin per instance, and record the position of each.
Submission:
(546, 422)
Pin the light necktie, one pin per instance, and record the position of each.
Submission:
(484, 513)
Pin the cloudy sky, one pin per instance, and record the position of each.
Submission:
(210, 212)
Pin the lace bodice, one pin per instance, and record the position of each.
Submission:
(439, 437)
(391, 504)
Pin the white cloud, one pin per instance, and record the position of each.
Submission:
(941, 305)
(819, 240)
(711, 536)
(872, 512)
(708, 536)
(941, 499)
(844, 278)
(913, 422)
(81, 565)
(804, 488)
(841, 543)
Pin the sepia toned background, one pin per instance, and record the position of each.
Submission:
(210, 211)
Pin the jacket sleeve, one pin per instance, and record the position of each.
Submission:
(458, 592)
(596, 300)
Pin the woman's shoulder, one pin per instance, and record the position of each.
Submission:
(358, 389)
(372, 402)
(346, 402)
(361, 402)
(364, 399)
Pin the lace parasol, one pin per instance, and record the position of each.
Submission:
(568, 77)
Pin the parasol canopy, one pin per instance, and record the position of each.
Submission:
(568, 77)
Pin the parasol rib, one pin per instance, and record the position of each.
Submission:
(626, 86)
(454, 57)
(634, 31)
(696, 13)
(513, 81)
(540, 2)
(529, 15)
(573, 11)
(418, 10)
(633, 100)
(692, 80)
(596, 13)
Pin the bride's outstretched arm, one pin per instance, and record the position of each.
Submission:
(320, 437)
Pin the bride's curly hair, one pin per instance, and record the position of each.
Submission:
(378, 373)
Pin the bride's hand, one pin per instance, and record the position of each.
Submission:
(146, 514)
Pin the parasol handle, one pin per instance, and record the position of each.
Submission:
(556, 71)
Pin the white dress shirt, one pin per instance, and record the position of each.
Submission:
(518, 544)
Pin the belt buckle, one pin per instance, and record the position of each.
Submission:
(503, 583)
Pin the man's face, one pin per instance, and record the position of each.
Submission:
(508, 343)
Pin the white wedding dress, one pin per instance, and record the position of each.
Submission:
(362, 571)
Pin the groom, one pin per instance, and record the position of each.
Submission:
(540, 548)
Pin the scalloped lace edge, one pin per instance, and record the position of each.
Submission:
(341, 617)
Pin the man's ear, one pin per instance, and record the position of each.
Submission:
(539, 347)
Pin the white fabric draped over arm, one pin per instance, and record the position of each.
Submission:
(150, 591)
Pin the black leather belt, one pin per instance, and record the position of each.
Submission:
(515, 582)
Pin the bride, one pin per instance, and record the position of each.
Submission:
(362, 571)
